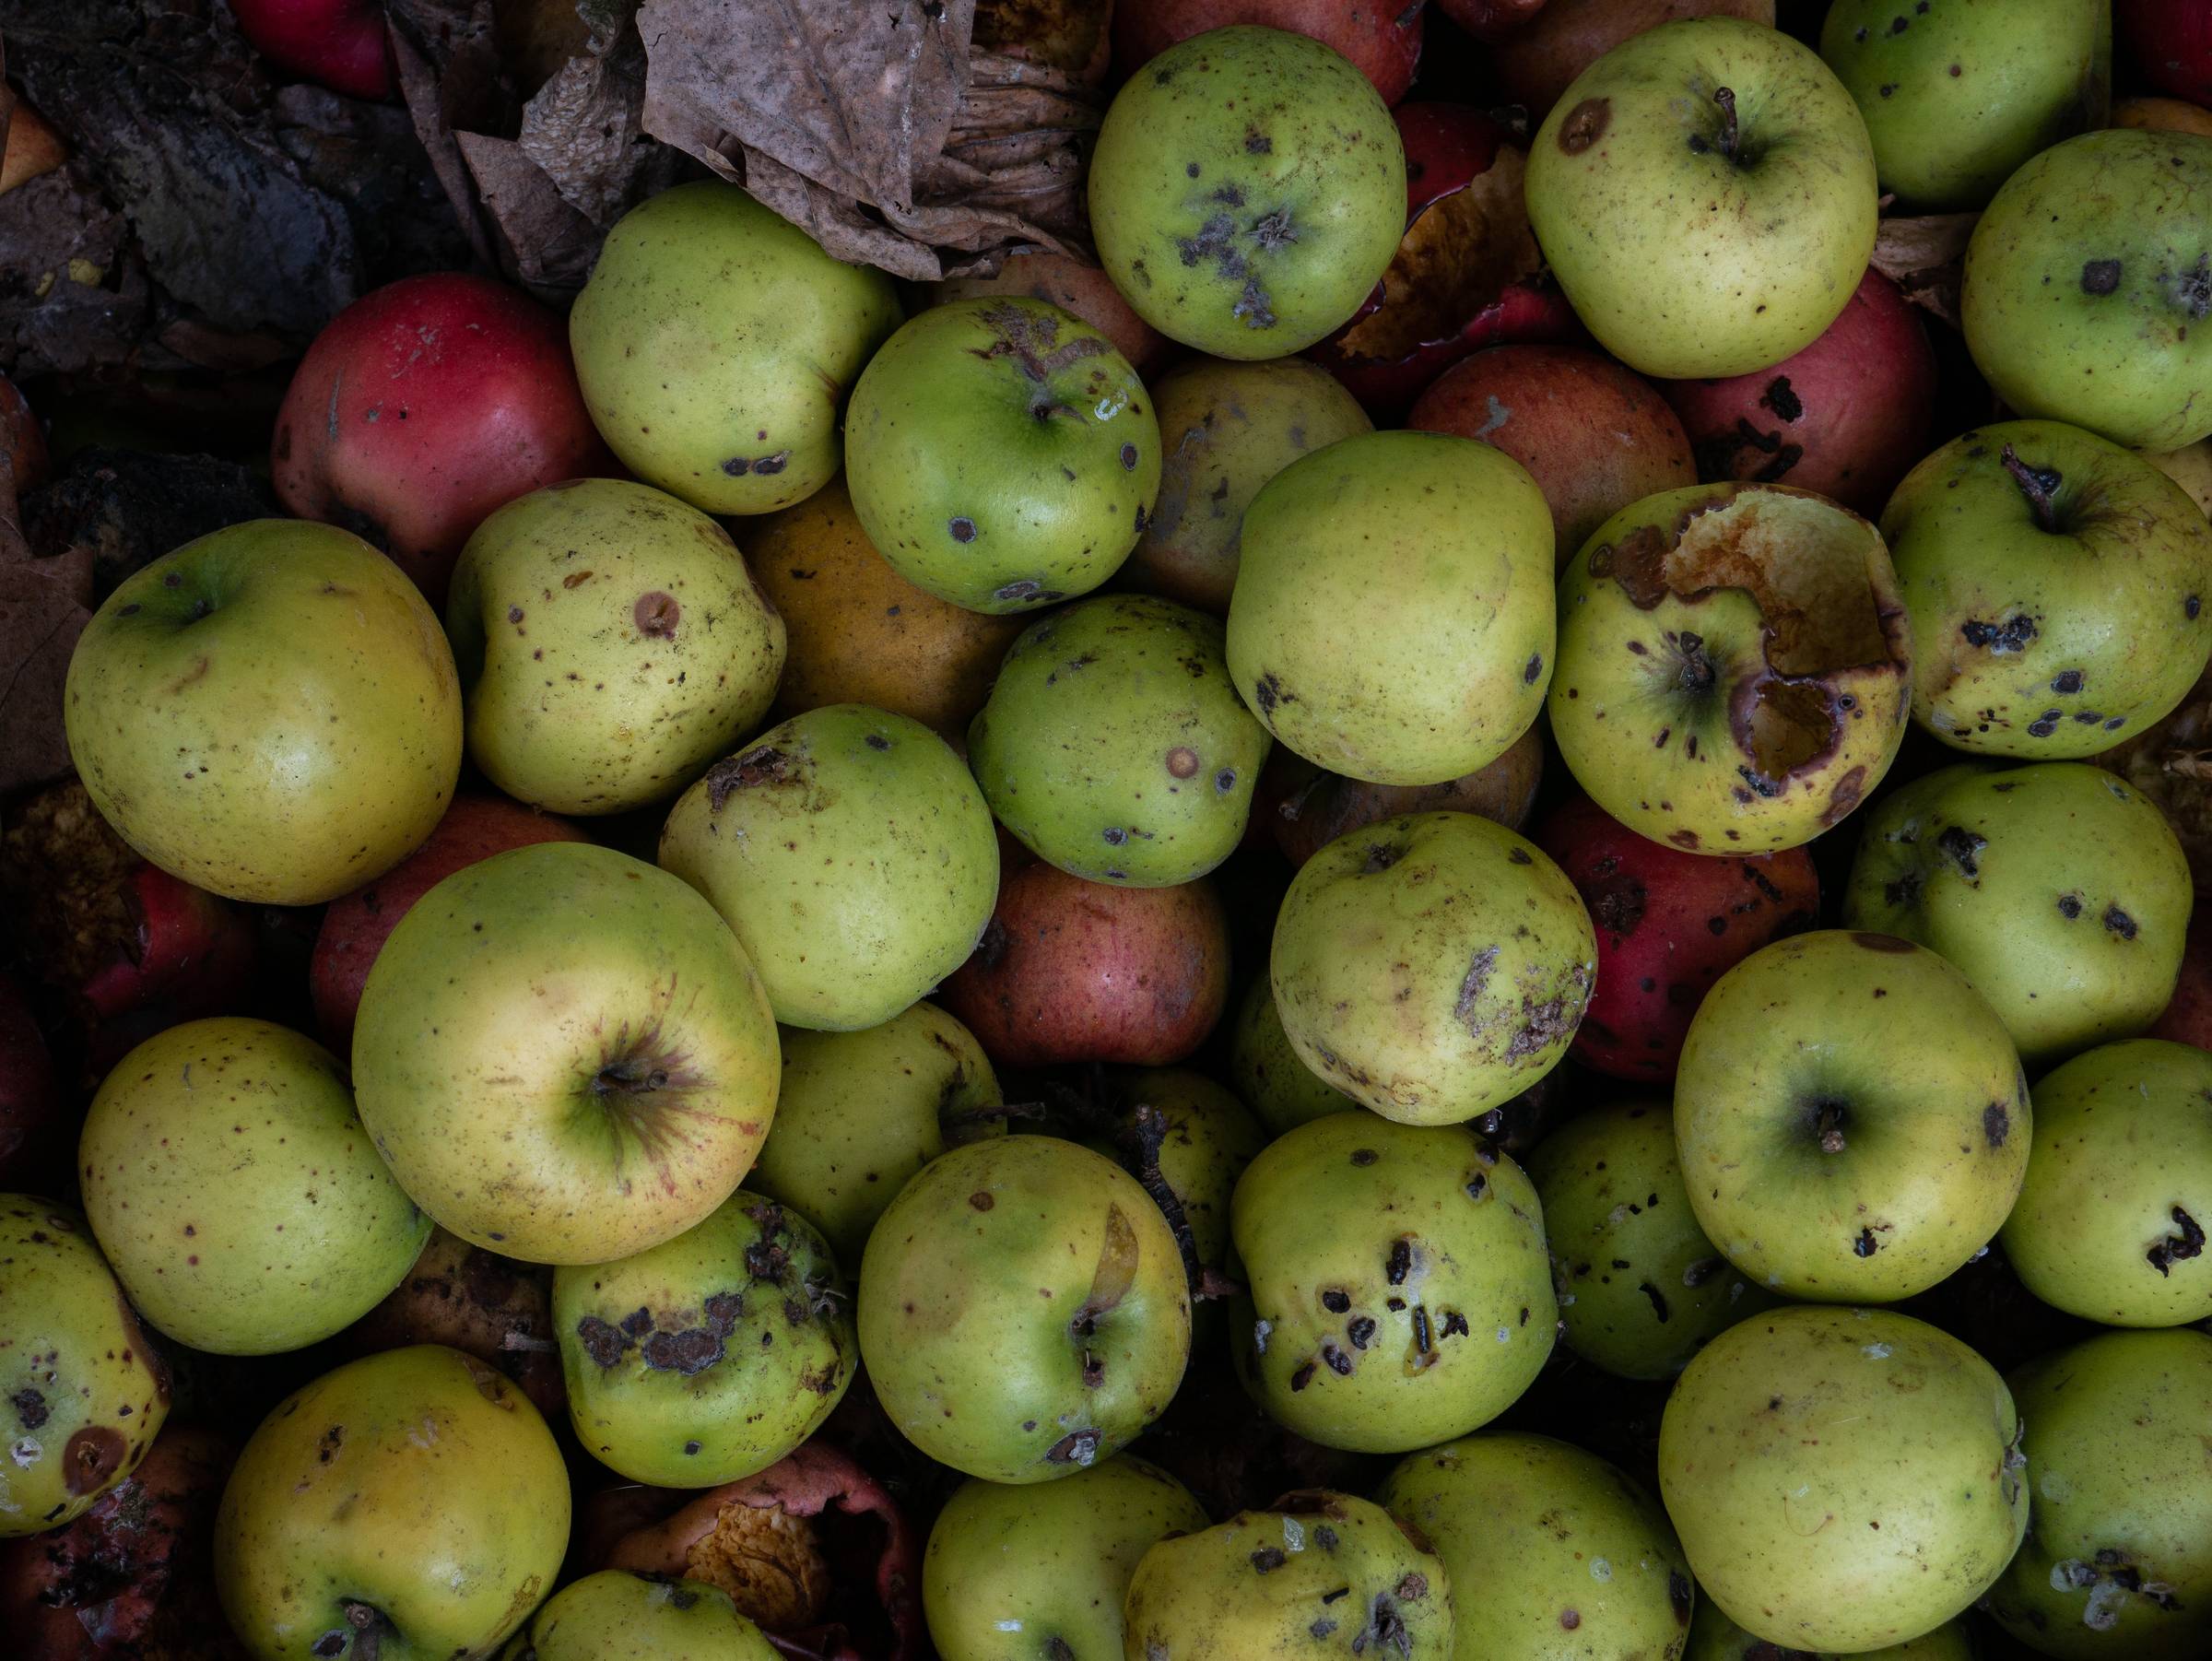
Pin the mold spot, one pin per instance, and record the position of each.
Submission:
(2067, 680)
(2119, 922)
(1466, 1009)
(2010, 635)
(1585, 125)
(1996, 1124)
(657, 615)
(2186, 1241)
(961, 528)
(2100, 276)
(1963, 849)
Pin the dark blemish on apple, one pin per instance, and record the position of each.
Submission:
(1338, 1361)
(602, 1343)
(91, 1457)
(1466, 1011)
(1686, 839)
(2190, 608)
(1321, 1628)
(1874, 942)
(1380, 857)
(657, 615)
(1865, 1245)
(1129, 457)
(1530, 670)
(1678, 1596)
(1268, 1558)
(2012, 635)
(1267, 691)
(1782, 399)
(1254, 308)
(1364, 1156)
(1658, 1300)
(2043, 726)
(2191, 291)
(30, 1409)
(2119, 922)
(332, 1643)
(2100, 276)
(1996, 1124)
(1570, 1620)
(1847, 793)
(1182, 762)
(1224, 781)
(2188, 1241)
(1077, 1447)
(2067, 680)
(1257, 142)
(1361, 1330)
(1190, 170)
(1399, 1263)
(2069, 906)
(1963, 849)
(1028, 591)
(1519, 856)
(1115, 836)
(1336, 1302)
(1585, 125)
(981, 1201)
(1302, 1376)
(1887, 89)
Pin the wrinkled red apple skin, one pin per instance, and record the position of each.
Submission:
(424, 406)
(340, 43)
(1594, 435)
(1847, 417)
(36, 1143)
(1668, 924)
(1081, 290)
(1490, 19)
(355, 927)
(1383, 38)
(2171, 41)
(2188, 1016)
(1070, 971)
(1536, 64)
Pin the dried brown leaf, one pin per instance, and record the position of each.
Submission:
(1926, 257)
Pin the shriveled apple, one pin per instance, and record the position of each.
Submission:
(1383, 38)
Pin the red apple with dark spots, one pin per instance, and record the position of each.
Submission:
(1070, 971)
(1536, 64)
(1383, 38)
(1594, 435)
(424, 406)
(338, 43)
(1080, 291)
(2172, 44)
(355, 928)
(1668, 924)
(1847, 417)
(1467, 273)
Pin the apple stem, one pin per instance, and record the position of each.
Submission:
(1725, 97)
(1829, 1123)
(371, 1626)
(2038, 485)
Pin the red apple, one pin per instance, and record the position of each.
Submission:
(1079, 290)
(1305, 808)
(424, 406)
(1668, 924)
(1847, 417)
(1490, 19)
(37, 1142)
(340, 43)
(1383, 38)
(1594, 435)
(355, 928)
(1534, 64)
(1070, 971)
(2171, 41)
(1466, 275)
(479, 1302)
(2188, 1016)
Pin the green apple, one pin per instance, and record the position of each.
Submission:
(860, 1113)
(1543, 1539)
(1819, 1165)
(1958, 94)
(715, 342)
(619, 1615)
(1023, 1309)
(269, 713)
(1734, 671)
(1015, 1573)
(409, 1506)
(564, 1055)
(711, 1356)
(1714, 1637)
(2056, 588)
(1267, 1073)
(2110, 1222)
(2118, 1558)
(1392, 619)
(1842, 1479)
(851, 854)
(1002, 454)
(1247, 192)
(2060, 893)
(85, 1394)
(611, 643)
(1207, 1138)
(2088, 283)
(1705, 194)
(235, 1192)
(1115, 745)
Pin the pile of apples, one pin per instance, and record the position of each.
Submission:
(907, 912)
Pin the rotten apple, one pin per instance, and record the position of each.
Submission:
(474, 1301)
(1383, 38)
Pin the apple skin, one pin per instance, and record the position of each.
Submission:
(338, 43)
(1683, 254)
(1489, 20)
(2172, 41)
(2187, 1018)
(565, 1055)
(356, 925)
(477, 1302)
(1381, 38)
(1714, 1637)
(1847, 417)
(620, 1615)
(1536, 64)
(416, 1487)
(421, 407)
(1306, 808)
(305, 686)
(2163, 115)
(1596, 436)
(1083, 291)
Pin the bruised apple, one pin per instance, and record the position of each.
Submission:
(1084, 292)
(1383, 38)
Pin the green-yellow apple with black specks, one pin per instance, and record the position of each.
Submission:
(1436, 544)
(1842, 1479)
(2058, 890)
(1543, 1539)
(611, 644)
(2118, 1558)
(1397, 1291)
(1023, 1309)
(711, 1356)
(1267, 1071)
(851, 854)
(2056, 589)
(1734, 671)
(1002, 454)
(859, 1113)
(715, 343)
(1247, 192)
(269, 713)
(1705, 195)
(82, 1392)
(235, 1191)
(409, 1506)
(620, 1615)
(1714, 1637)
(1818, 1166)
(2112, 1220)
(1114, 745)
(2088, 283)
(1958, 93)
(565, 1055)
(1014, 1573)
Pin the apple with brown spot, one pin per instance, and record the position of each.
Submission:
(1537, 63)
(1082, 292)
(1383, 38)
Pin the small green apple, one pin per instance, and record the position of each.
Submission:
(715, 342)
(409, 1506)
(1714, 1637)
(269, 713)
(1002, 454)
(1705, 194)
(564, 1055)
(1247, 192)
(618, 1615)
(1265, 1070)
(235, 1191)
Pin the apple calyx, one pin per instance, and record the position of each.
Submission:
(363, 1631)
(1698, 673)
(2038, 485)
(1828, 1124)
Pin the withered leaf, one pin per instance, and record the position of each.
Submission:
(1926, 257)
